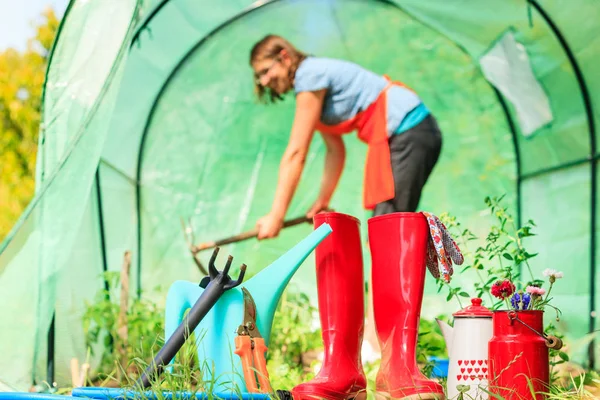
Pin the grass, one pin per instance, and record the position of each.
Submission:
(188, 375)
(294, 336)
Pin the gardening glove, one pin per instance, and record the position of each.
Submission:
(441, 249)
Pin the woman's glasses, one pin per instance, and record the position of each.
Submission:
(258, 76)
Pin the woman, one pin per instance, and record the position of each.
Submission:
(404, 142)
(336, 97)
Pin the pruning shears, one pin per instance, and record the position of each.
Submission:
(250, 346)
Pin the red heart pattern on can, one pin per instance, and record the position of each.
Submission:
(468, 373)
(474, 363)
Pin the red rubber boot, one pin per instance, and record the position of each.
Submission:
(340, 288)
(398, 244)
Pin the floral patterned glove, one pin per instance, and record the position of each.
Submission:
(442, 250)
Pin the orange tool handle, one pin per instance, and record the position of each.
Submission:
(261, 365)
(243, 348)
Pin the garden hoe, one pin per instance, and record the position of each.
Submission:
(195, 249)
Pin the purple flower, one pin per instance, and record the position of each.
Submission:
(520, 301)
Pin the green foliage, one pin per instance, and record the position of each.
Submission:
(293, 337)
(145, 328)
(501, 256)
(21, 81)
(296, 337)
(590, 378)
(557, 357)
(430, 343)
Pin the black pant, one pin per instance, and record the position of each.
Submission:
(414, 154)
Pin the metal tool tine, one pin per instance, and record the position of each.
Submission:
(240, 278)
(211, 264)
(227, 265)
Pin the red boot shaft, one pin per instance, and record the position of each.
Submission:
(398, 244)
(340, 288)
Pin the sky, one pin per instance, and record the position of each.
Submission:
(17, 18)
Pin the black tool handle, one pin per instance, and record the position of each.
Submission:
(214, 286)
(207, 300)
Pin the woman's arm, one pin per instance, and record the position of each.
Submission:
(334, 165)
(308, 112)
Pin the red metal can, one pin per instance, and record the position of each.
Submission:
(518, 355)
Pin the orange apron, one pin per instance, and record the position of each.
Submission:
(371, 124)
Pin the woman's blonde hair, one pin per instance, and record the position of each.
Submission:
(270, 47)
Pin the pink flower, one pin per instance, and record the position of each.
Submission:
(536, 291)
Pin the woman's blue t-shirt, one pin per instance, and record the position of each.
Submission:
(351, 89)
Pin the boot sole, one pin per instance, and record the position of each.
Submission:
(416, 396)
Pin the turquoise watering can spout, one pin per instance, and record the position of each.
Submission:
(215, 334)
(268, 285)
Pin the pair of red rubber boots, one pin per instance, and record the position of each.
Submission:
(398, 245)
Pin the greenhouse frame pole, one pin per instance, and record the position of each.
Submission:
(587, 101)
(42, 132)
(50, 351)
(101, 232)
(31, 205)
(560, 167)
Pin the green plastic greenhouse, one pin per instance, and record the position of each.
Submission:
(149, 117)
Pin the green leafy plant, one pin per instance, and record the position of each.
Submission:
(501, 257)
(295, 336)
(144, 322)
(294, 339)
(556, 357)
(501, 260)
(430, 344)
(502, 270)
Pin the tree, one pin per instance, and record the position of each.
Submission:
(21, 82)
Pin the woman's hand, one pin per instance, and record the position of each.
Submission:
(269, 226)
(317, 207)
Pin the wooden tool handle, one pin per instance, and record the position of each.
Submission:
(248, 234)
